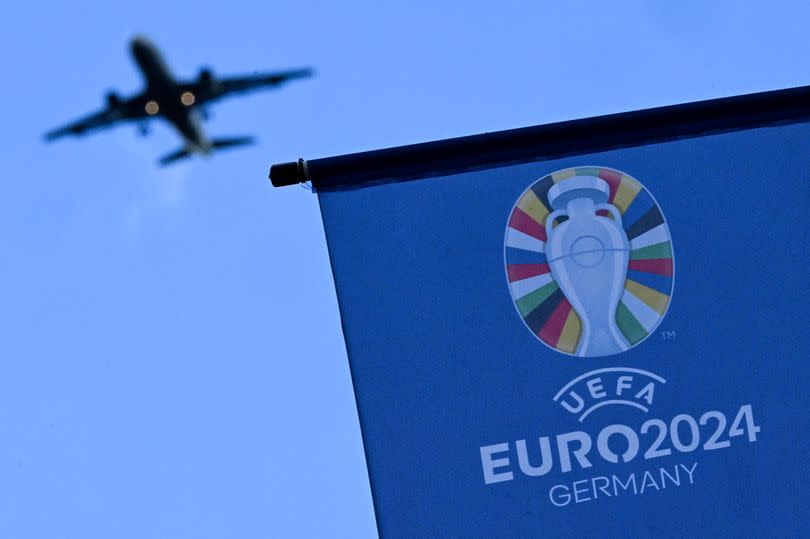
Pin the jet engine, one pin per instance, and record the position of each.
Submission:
(208, 82)
(113, 100)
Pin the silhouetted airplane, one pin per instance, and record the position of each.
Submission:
(177, 101)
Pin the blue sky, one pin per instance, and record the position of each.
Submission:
(171, 362)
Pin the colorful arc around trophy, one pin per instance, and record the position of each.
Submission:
(648, 280)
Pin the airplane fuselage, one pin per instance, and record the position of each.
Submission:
(166, 98)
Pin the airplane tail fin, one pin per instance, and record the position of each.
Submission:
(229, 142)
(216, 144)
(174, 156)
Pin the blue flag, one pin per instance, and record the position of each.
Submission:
(603, 335)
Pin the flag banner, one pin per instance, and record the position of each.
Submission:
(596, 328)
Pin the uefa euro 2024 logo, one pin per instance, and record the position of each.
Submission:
(589, 261)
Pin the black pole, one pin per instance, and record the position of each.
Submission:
(549, 141)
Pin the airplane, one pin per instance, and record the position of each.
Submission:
(181, 103)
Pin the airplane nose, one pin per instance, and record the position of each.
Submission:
(140, 43)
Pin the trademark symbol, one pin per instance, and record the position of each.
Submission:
(668, 335)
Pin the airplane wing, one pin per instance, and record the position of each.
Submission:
(209, 88)
(116, 111)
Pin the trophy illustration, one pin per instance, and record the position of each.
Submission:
(588, 255)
